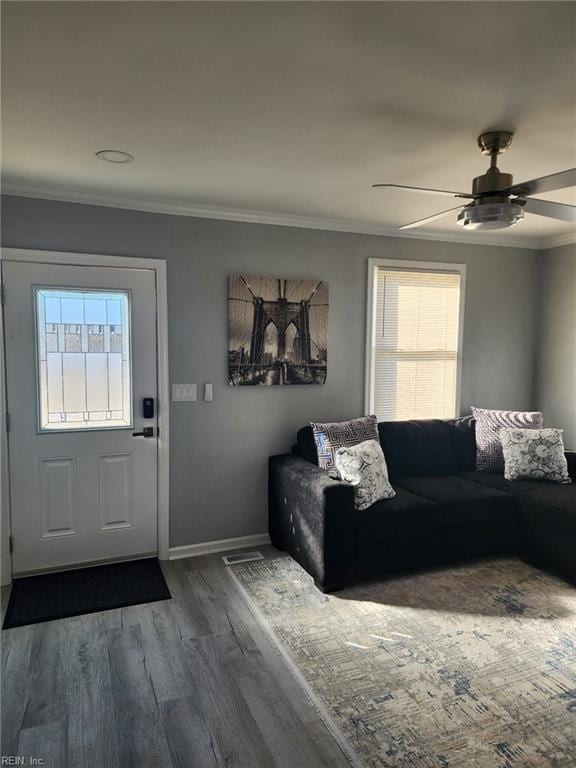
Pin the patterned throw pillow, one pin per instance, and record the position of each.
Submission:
(341, 434)
(534, 454)
(488, 425)
(364, 466)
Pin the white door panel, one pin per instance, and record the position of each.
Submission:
(80, 357)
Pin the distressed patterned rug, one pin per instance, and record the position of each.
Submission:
(471, 666)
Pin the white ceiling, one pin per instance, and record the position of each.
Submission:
(287, 111)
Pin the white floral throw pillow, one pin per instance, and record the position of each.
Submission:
(364, 466)
(534, 454)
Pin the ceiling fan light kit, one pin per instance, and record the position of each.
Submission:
(496, 203)
(486, 214)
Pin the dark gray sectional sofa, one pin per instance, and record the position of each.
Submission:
(443, 511)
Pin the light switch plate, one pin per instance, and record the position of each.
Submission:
(208, 392)
(182, 393)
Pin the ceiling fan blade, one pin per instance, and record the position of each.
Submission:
(545, 184)
(551, 210)
(429, 219)
(441, 192)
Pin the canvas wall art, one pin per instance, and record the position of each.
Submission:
(277, 331)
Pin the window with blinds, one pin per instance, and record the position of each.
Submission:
(414, 369)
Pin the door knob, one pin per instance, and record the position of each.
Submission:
(146, 432)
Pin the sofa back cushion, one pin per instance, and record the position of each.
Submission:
(418, 448)
(415, 448)
(463, 434)
(306, 445)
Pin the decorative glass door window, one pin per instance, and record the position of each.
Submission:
(83, 351)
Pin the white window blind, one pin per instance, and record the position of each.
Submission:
(415, 344)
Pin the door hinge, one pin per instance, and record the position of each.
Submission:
(11, 544)
(7, 417)
(2, 294)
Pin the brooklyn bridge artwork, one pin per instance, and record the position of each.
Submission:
(277, 331)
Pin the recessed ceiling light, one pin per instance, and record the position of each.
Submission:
(114, 156)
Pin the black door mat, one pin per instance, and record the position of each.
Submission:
(87, 590)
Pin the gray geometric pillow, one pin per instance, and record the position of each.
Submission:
(534, 454)
(488, 425)
(364, 466)
(341, 434)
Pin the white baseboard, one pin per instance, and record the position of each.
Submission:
(220, 545)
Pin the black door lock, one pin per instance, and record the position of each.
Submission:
(148, 408)
(146, 432)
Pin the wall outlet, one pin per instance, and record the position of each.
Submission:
(182, 393)
(208, 392)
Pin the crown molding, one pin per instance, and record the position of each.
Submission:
(558, 240)
(174, 208)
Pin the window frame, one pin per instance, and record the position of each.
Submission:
(416, 266)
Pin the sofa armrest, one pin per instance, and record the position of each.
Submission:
(571, 459)
(311, 516)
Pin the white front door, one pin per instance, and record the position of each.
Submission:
(80, 360)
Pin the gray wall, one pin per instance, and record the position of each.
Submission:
(219, 450)
(556, 364)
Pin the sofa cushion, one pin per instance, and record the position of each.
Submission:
(551, 510)
(401, 515)
(418, 448)
(461, 501)
(499, 482)
(571, 461)
(431, 503)
(463, 436)
(306, 445)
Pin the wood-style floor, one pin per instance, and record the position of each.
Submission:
(193, 682)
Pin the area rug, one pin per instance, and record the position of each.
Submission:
(465, 667)
(35, 599)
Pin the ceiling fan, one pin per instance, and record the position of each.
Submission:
(495, 202)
